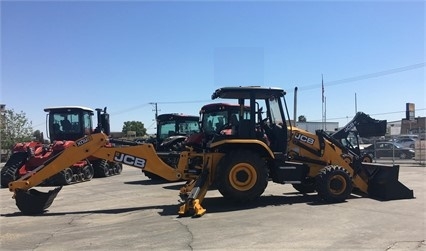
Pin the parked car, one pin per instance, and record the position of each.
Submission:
(389, 149)
(407, 142)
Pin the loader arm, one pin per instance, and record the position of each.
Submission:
(140, 156)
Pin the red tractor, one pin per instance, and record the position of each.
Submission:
(176, 131)
(64, 125)
(216, 119)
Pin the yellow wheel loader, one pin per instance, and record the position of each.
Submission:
(261, 147)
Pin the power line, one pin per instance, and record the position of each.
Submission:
(184, 102)
(375, 114)
(306, 87)
(164, 103)
(365, 76)
(130, 109)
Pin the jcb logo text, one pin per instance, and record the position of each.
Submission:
(129, 160)
(304, 138)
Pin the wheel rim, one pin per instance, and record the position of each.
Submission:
(68, 175)
(337, 184)
(87, 173)
(243, 177)
(366, 159)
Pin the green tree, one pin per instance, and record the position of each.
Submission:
(301, 118)
(15, 128)
(135, 126)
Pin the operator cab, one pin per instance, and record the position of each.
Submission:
(361, 126)
(222, 118)
(68, 122)
(260, 115)
(173, 124)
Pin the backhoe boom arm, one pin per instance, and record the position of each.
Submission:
(140, 156)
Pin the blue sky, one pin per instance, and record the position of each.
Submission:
(126, 55)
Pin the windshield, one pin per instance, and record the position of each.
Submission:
(215, 121)
(212, 122)
(351, 141)
(66, 123)
(168, 128)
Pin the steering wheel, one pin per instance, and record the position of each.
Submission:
(263, 124)
(221, 128)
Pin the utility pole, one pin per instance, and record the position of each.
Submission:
(155, 109)
(2, 110)
(356, 109)
(295, 106)
(323, 104)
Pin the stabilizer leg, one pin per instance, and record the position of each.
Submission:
(193, 203)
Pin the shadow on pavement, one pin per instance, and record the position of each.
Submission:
(212, 205)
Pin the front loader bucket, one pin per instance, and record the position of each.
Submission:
(33, 201)
(383, 183)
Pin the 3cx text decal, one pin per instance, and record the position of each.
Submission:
(82, 141)
(304, 138)
(129, 160)
(349, 127)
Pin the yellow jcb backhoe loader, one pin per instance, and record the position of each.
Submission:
(261, 146)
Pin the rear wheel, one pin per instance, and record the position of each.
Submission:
(242, 176)
(334, 184)
(403, 156)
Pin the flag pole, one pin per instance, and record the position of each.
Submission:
(325, 113)
(322, 100)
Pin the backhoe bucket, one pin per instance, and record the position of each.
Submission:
(383, 183)
(33, 201)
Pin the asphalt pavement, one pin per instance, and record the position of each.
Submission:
(130, 212)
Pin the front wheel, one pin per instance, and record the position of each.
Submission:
(403, 156)
(366, 158)
(334, 184)
(242, 176)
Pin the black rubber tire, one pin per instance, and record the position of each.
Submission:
(64, 177)
(334, 184)
(403, 156)
(366, 158)
(101, 168)
(304, 188)
(117, 168)
(88, 172)
(242, 176)
(10, 170)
